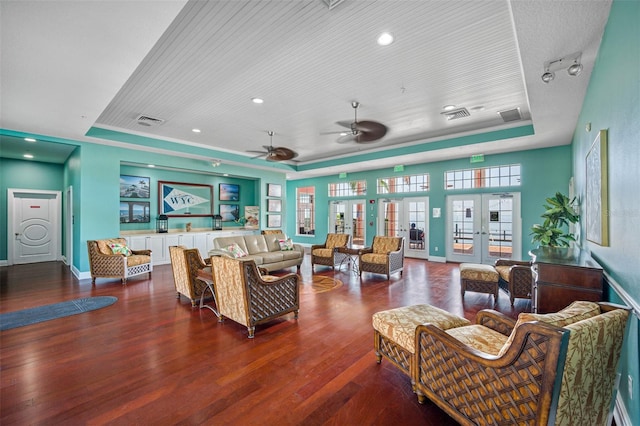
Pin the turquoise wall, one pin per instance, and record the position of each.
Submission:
(613, 102)
(19, 174)
(537, 183)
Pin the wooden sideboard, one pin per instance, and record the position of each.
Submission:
(562, 278)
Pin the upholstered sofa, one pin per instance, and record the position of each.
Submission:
(557, 368)
(111, 258)
(270, 252)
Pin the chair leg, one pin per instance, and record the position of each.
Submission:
(93, 280)
(124, 281)
(251, 331)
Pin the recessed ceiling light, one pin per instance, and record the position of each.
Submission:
(151, 165)
(448, 107)
(196, 130)
(257, 100)
(29, 139)
(385, 39)
(28, 156)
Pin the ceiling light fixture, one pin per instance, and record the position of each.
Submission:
(448, 107)
(257, 100)
(196, 130)
(572, 63)
(29, 139)
(28, 156)
(151, 166)
(385, 39)
(216, 163)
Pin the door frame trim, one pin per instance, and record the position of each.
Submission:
(11, 195)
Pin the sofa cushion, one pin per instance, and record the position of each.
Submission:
(291, 255)
(378, 258)
(255, 244)
(273, 241)
(336, 240)
(399, 324)
(104, 245)
(117, 248)
(257, 258)
(224, 242)
(577, 311)
(479, 337)
(138, 259)
(385, 245)
(272, 256)
(323, 252)
(235, 250)
(286, 245)
(478, 272)
(504, 271)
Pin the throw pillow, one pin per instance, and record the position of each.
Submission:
(120, 249)
(286, 245)
(236, 251)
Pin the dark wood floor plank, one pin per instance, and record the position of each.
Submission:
(152, 359)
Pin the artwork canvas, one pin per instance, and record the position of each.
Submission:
(134, 186)
(597, 194)
(229, 192)
(252, 215)
(274, 206)
(274, 190)
(274, 221)
(229, 212)
(135, 212)
(178, 199)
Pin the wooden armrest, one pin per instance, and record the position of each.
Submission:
(506, 262)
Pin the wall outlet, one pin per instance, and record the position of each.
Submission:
(436, 248)
(630, 385)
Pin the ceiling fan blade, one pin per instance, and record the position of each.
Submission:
(369, 131)
(281, 154)
(347, 138)
(346, 124)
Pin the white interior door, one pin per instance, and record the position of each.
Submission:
(33, 222)
(348, 217)
(408, 218)
(483, 227)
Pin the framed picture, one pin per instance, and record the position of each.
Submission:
(274, 221)
(178, 199)
(229, 192)
(274, 205)
(274, 190)
(252, 215)
(229, 212)
(597, 191)
(134, 186)
(135, 212)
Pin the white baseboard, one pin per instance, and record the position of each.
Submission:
(438, 259)
(4, 263)
(620, 413)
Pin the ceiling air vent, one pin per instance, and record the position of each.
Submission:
(510, 115)
(145, 120)
(456, 113)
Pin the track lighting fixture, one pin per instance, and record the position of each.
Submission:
(571, 63)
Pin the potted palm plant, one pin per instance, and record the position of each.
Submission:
(559, 214)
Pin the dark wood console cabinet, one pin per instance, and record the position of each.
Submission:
(562, 278)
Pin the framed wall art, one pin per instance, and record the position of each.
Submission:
(597, 191)
(229, 212)
(177, 199)
(229, 192)
(135, 212)
(252, 216)
(274, 221)
(134, 186)
(274, 205)
(274, 190)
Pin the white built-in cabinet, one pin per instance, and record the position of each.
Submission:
(159, 243)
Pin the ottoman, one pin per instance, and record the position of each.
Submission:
(395, 329)
(480, 278)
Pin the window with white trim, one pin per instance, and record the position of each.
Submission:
(484, 177)
(348, 189)
(398, 184)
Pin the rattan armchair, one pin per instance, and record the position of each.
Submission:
(543, 375)
(327, 254)
(185, 264)
(246, 297)
(515, 278)
(103, 263)
(385, 256)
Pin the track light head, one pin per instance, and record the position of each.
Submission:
(575, 69)
(548, 76)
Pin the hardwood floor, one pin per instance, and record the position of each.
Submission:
(152, 359)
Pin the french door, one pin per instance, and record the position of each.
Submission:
(483, 227)
(408, 218)
(348, 217)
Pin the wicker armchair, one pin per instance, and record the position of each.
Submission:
(247, 298)
(103, 263)
(185, 264)
(327, 254)
(542, 374)
(515, 278)
(385, 256)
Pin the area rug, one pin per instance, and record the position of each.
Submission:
(320, 284)
(57, 310)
